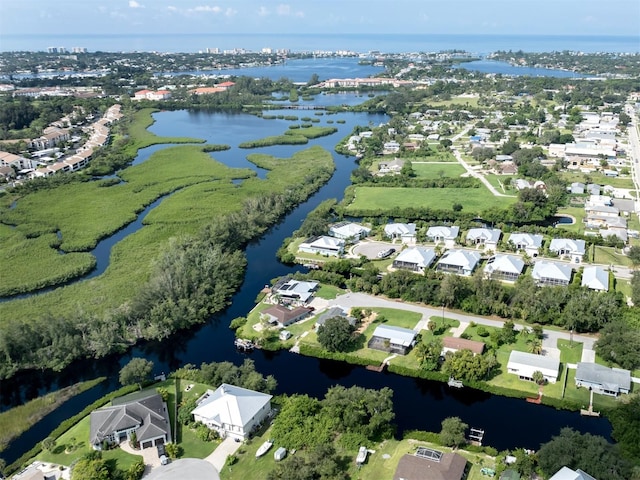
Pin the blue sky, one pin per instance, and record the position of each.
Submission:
(558, 17)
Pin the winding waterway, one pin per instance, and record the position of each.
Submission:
(419, 404)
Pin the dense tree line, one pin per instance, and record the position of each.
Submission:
(193, 279)
(355, 416)
(574, 307)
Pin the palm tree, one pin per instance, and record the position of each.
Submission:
(535, 346)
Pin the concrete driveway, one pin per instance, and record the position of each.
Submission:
(219, 456)
(371, 249)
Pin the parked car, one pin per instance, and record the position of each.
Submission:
(386, 253)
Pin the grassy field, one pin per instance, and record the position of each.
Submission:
(611, 256)
(473, 200)
(471, 101)
(570, 352)
(599, 178)
(502, 183)
(19, 419)
(436, 171)
(20, 252)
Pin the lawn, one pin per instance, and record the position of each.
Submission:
(570, 352)
(599, 178)
(502, 183)
(328, 292)
(380, 199)
(380, 465)
(609, 256)
(437, 171)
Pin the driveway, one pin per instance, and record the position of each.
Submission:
(219, 456)
(149, 455)
(370, 249)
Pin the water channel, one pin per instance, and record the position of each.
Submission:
(419, 404)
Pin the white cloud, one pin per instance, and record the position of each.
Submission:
(264, 12)
(285, 10)
(206, 9)
(134, 4)
(230, 12)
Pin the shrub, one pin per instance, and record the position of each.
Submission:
(482, 331)
(173, 450)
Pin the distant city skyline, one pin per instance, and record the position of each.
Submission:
(543, 17)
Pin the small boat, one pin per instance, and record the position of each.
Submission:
(455, 383)
(243, 344)
(264, 448)
(362, 455)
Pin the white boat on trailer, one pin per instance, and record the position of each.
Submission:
(264, 448)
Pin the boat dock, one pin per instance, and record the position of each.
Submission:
(475, 436)
(244, 344)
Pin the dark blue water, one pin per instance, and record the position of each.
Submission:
(508, 423)
(385, 43)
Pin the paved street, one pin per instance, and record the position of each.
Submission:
(549, 342)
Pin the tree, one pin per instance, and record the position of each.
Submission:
(429, 353)
(136, 371)
(634, 254)
(313, 80)
(538, 377)
(591, 453)
(95, 469)
(48, 444)
(452, 433)
(446, 143)
(534, 345)
(336, 335)
(135, 471)
(620, 343)
(635, 287)
(456, 207)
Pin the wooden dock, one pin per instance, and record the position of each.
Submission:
(379, 368)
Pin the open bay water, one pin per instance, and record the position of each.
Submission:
(384, 43)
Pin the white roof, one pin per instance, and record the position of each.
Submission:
(595, 278)
(327, 242)
(449, 233)
(504, 263)
(565, 473)
(231, 405)
(349, 230)
(547, 365)
(396, 335)
(553, 270)
(423, 257)
(461, 258)
(574, 246)
(488, 234)
(529, 239)
(400, 229)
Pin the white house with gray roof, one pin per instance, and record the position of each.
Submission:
(489, 237)
(460, 262)
(551, 273)
(504, 267)
(416, 259)
(296, 292)
(525, 364)
(329, 246)
(443, 234)
(232, 411)
(405, 232)
(595, 278)
(568, 248)
(529, 243)
(603, 380)
(351, 232)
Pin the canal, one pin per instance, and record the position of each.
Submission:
(419, 404)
